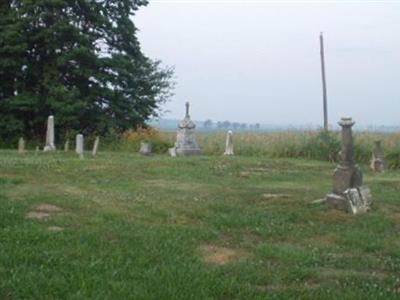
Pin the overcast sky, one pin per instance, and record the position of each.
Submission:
(258, 61)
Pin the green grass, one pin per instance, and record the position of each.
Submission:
(191, 228)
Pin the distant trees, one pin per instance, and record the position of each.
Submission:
(78, 60)
(208, 124)
(232, 125)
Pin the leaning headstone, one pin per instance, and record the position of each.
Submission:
(50, 146)
(66, 146)
(185, 139)
(145, 148)
(378, 163)
(348, 193)
(21, 145)
(79, 145)
(96, 146)
(229, 143)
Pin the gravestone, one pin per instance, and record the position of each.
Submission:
(96, 146)
(185, 139)
(172, 152)
(348, 193)
(66, 146)
(378, 163)
(79, 145)
(229, 143)
(145, 148)
(21, 145)
(50, 146)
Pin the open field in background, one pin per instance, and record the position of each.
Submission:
(290, 144)
(121, 226)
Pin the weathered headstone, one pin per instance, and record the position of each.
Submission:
(79, 145)
(21, 145)
(66, 146)
(50, 146)
(348, 192)
(185, 139)
(172, 151)
(145, 148)
(378, 163)
(96, 146)
(229, 143)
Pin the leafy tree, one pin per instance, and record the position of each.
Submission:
(78, 60)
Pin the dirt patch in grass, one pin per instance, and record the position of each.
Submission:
(221, 255)
(43, 211)
(271, 198)
(55, 228)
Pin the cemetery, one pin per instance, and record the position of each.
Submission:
(98, 203)
(133, 225)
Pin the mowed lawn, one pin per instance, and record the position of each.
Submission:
(121, 226)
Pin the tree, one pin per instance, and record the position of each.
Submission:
(226, 124)
(78, 60)
(208, 124)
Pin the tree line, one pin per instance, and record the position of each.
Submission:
(78, 60)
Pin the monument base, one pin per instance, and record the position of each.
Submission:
(337, 201)
(187, 151)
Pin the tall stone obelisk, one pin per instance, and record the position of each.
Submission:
(50, 146)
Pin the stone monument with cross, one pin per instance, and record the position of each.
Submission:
(185, 139)
(348, 191)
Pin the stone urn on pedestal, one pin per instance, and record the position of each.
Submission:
(348, 192)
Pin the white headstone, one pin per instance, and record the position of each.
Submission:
(21, 145)
(229, 143)
(172, 151)
(50, 146)
(96, 146)
(79, 145)
(145, 148)
(66, 146)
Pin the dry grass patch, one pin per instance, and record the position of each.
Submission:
(335, 216)
(43, 211)
(325, 273)
(221, 255)
(55, 228)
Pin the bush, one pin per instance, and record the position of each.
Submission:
(131, 139)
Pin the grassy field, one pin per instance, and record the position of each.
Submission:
(121, 226)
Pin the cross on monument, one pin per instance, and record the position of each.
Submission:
(187, 110)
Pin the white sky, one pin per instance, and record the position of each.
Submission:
(258, 61)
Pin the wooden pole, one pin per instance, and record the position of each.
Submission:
(325, 98)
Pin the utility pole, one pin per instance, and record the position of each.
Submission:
(321, 41)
